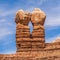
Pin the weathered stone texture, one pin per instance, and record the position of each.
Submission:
(38, 19)
(24, 38)
(33, 55)
(32, 46)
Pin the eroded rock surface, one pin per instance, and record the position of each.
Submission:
(24, 38)
(32, 46)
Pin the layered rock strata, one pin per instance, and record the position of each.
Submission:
(32, 46)
(26, 40)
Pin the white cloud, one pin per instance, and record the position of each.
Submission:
(5, 22)
(4, 32)
(38, 2)
(6, 13)
(53, 21)
(56, 8)
(5, 25)
(30, 9)
(2, 20)
(53, 18)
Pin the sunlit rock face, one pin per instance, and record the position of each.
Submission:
(32, 46)
(37, 18)
(22, 17)
(22, 29)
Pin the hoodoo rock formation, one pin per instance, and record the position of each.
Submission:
(32, 46)
(22, 30)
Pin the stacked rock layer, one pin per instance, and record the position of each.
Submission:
(26, 40)
(32, 46)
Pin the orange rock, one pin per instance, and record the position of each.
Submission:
(38, 17)
(32, 46)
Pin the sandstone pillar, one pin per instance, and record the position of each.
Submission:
(38, 34)
(27, 41)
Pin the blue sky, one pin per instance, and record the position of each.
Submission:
(8, 9)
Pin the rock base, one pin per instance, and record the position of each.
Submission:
(50, 52)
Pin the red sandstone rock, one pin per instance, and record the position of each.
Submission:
(23, 31)
(38, 17)
(32, 46)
